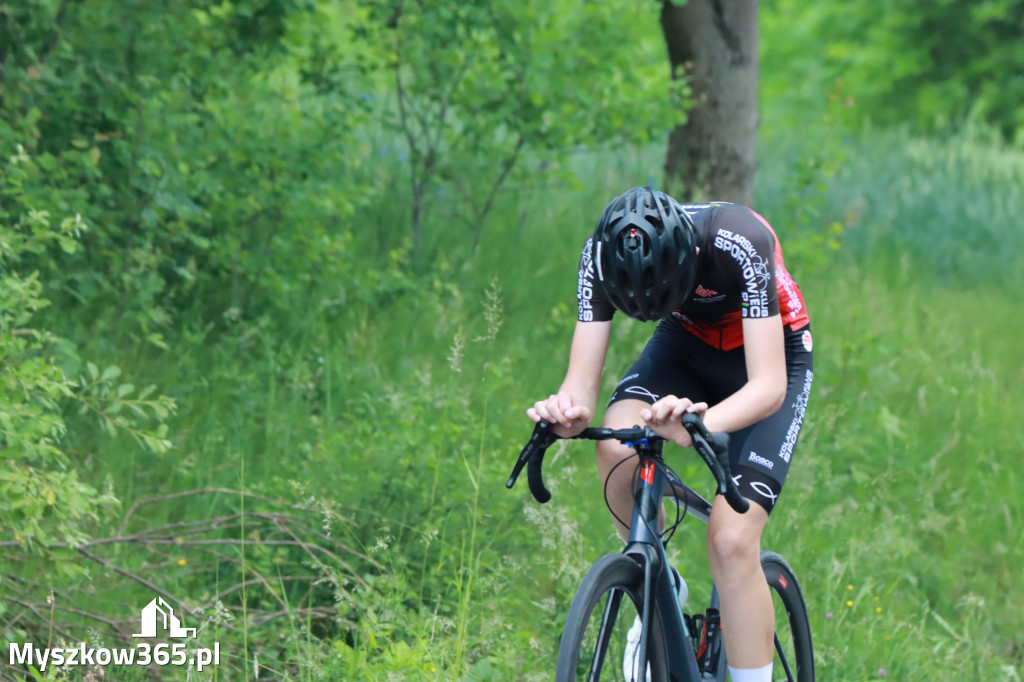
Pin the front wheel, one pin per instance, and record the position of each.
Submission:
(597, 643)
(794, 655)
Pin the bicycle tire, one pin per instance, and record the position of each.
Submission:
(792, 627)
(613, 577)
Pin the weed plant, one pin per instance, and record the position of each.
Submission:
(394, 410)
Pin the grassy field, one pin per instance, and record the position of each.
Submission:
(392, 414)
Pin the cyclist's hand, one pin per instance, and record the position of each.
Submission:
(567, 416)
(665, 418)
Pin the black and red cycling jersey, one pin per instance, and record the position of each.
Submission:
(740, 274)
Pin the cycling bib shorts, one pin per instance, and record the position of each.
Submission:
(676, 362)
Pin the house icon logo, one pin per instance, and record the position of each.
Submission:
(159, 613)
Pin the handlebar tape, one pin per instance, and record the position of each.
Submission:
(536, 479)
(533, 453)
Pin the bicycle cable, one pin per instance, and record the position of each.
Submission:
(682, 506)
(611, 473)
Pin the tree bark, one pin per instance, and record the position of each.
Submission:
(713, 44)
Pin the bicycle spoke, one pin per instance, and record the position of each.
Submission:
(783, 658)
(596, 644)
(604, 634)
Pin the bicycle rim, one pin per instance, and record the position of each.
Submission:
(595, 639)
(794, 654)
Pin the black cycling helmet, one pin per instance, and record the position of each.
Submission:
(644, 252)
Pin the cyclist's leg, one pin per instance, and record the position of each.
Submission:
(617, 474)
(734, 553)
(660, 370)
(760, 457)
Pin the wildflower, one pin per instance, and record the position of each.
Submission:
(849, 602)
(881, 672)
(829, 615)
(182, 561)
(849, 587)
(457, 351)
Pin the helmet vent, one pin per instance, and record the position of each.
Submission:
(644, 248)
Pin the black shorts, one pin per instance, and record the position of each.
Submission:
(675, 362)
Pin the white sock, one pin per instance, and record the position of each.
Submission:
(751, 674)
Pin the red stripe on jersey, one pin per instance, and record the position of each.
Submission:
(724, 335)
(791, 301)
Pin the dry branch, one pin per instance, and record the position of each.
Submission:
(257, 567)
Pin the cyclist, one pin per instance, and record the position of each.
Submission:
(732, 344)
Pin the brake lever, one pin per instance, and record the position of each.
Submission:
(714, 450)
(533, 452)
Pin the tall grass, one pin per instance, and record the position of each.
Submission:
(400, 413)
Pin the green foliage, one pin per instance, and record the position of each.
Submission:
(932, 204)
(800, 176)
(254, 175)
(927, 64)
(209, 161)
(42, 499)
(488, 92)
(217, 149)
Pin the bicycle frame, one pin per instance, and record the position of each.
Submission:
(646, 547)
(644, 544)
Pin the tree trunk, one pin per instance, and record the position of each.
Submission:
(714, 45)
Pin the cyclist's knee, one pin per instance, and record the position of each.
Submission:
(622, 414)
(735, 540)
(730, 544)
(612, 466)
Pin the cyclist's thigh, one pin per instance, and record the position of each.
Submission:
(622, 414)
(760, 455)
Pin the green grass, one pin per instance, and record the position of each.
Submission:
(905, 497)
(399, 415)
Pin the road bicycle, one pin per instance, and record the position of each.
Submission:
(637, 583)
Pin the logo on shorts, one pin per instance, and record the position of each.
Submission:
(806, 338)
(764, 491)
(640, 390)
(758, 459)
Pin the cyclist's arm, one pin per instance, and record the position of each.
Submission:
(576, 402)
(761, 396)
(765, 353)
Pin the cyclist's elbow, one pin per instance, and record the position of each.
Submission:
(774, 397)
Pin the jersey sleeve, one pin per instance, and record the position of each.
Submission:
(746, 245)
(593, 306)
